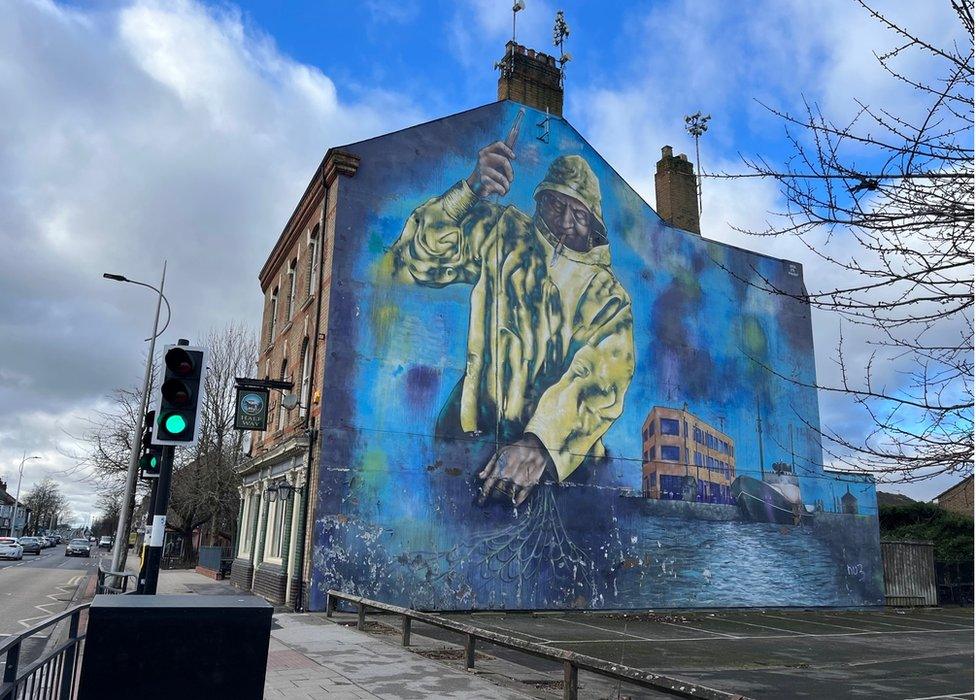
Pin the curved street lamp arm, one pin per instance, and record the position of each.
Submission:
(169, 313)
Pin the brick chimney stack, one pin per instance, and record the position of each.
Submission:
(676, 191)
(531, 78)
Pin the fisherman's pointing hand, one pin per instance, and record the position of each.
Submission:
(493, 174)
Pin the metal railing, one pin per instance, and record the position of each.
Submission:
(572, 662)
(117, 584)
(55, 673)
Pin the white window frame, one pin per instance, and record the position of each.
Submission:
(246, 523)
(275, 534)
(274, 316)
(313, 259)
(292, 287)
(282, 411)
(306, 379)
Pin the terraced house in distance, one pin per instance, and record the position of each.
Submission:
(275, 499)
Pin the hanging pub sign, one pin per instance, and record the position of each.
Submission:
(251, 409)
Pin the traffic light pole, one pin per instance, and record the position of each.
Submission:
(154, 553)
(141, 584)
(122, 530)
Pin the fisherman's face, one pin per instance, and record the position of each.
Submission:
(567, 218)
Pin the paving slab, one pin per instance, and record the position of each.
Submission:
(310, 656)
(348, 663)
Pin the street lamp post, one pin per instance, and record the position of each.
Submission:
(20, 478)
(122, 531)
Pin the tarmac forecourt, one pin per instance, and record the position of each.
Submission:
(913, 654)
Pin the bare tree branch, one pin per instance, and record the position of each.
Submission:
(886, 202)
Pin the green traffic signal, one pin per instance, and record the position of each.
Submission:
(180, 396)
(174, 424)
(149, 463)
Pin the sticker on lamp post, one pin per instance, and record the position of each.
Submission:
(251, 409)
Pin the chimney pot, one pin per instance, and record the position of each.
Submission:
(667, 152)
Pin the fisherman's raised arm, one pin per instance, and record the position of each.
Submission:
(444, 239)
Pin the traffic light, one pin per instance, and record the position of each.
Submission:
(151, 455)
(180, 396)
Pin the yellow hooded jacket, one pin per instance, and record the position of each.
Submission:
(550, 337)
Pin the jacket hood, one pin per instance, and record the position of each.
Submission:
(573, 177)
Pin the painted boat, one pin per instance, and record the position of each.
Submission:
(774, 499)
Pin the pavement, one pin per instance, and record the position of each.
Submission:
(311, 656)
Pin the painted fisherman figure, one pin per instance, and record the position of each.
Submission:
(550, 338)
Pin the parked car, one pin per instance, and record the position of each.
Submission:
(31, 545)
(105, 542)
(78, 547)
(10, 548)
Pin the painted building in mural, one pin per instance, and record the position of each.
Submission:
(538, 394)
(686, 459)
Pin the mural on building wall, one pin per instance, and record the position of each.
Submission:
(544, 397)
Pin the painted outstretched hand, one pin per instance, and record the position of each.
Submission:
(514, 471)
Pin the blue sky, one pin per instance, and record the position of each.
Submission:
(128, 125)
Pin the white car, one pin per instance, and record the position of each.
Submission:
(10, 548)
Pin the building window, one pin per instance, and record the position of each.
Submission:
(672, 487)
(251, 505)
(272, 315)
(282, 411)
(313, 260)
(305, 380)
(292, 285)
(670, 426)
(671, 453)
(242, 543)
(276, 521)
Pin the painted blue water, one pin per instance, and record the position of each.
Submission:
(615, 556)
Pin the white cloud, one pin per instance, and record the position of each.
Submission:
(480, 28)
(130, 134)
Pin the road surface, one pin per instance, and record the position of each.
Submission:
(39, 586)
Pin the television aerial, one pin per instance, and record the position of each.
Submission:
(517, 7)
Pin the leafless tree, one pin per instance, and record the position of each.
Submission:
(103, 455)
(885, 201)
(47, 505)
(109, 503)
